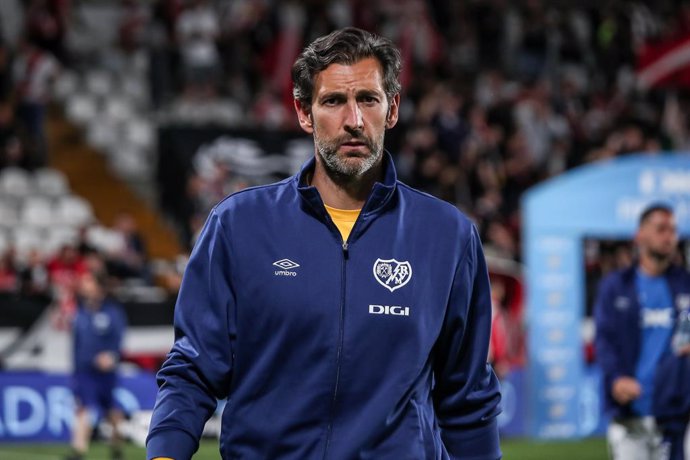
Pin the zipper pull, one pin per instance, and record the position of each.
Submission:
(345, 250)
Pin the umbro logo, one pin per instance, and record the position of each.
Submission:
(621, 303)
(286, 266)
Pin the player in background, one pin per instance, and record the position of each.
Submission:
(98, 329)
(636, 313)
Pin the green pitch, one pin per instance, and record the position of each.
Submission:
(513, 449)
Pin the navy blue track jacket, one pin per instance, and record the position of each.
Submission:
(371, 348)
(95, 332)
(618, 336)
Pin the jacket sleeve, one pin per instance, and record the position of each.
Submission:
(198, 369)
(467, 394)
(120, 321)
(605, 343)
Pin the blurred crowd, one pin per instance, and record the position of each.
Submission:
(28, 66)
(29, 63)
(116, 253)
(498, 95)
(42, 257)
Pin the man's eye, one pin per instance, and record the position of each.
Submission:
(330, 101)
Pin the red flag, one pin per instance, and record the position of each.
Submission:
(665, 63)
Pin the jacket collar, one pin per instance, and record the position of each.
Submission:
(380, 195)
(671, 273)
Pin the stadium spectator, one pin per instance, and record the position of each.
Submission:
(131, 259)
(64, 270)
(46, 26)
(132, 28)
(66, 266)
(160, 41)
(635, 312)
(34, 71)
(197, 30)
(5, 70)
(498, 346)
(97, 330)
(35, 281)
(9, 277)
(12, 151)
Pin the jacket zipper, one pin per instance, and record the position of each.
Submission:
(341, 333)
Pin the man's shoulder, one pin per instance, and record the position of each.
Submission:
(433, 208)
(679, 273)
(679, 270)
(618, 275)
(255, 197)
(113, 307)
(618, 278)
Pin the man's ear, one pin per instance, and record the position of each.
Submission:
(637, 237)
(304, 116)
(392, 117)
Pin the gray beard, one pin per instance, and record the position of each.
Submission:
(341, 168)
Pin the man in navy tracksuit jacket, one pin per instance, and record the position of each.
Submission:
(98, 330)
(332, 344)
(647, 385)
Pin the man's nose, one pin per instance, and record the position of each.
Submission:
(354, 116)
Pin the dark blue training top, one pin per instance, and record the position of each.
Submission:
(618, 342)
(371, 348)
(96, 331)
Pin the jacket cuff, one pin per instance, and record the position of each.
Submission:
(480, 443)
(178, 445)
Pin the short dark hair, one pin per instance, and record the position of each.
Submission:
(652, 208)
(345, 46)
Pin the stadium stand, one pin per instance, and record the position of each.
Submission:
(498, 97)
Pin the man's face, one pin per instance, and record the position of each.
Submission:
(657, 236)
(348, 116)
(89, 288)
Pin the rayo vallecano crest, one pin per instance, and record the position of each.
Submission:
(392, 274)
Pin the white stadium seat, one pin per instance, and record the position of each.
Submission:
(50, 182)
(105, 239)
(25, 240)
(102, 132)
(99, 83)
(81, 108)
(134, 89)
(15, 182)
(9, 217)
(74, 211)
(131, 162)
(118, 109)
(140, 133)
(57, 237)
(66, 84)
(37, 211)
